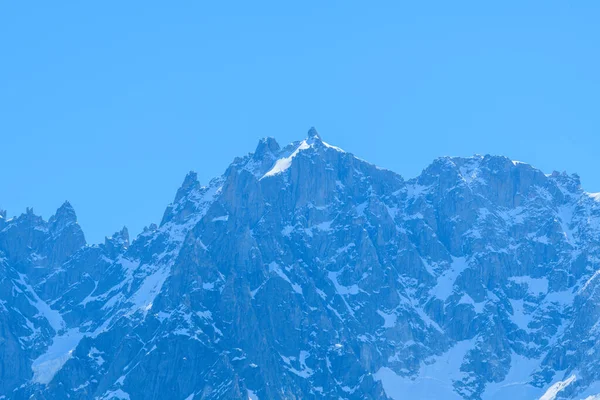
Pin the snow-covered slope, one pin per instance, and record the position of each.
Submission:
(304, 272)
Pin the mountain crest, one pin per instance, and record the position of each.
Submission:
(64, 216)
(66, 211)
(266, 146)
(118, 242)
(122, 236)
(313, 134)
(569, 182)
(190, 183)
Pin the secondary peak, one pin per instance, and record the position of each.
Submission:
(313, 134)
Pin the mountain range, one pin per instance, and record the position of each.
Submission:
(304, 272)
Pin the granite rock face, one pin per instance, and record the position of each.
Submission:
(304, 272)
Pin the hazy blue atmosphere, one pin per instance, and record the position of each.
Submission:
(109, 104)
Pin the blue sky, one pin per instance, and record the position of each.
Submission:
(109, 104)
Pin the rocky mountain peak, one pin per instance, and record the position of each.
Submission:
(313, 134)
(266, 147)
(190, 183)
(118, 242)
(121, 236)
(570, 183)
(150, 228)
(64, 216)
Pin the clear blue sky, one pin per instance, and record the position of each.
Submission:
(108, 104)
